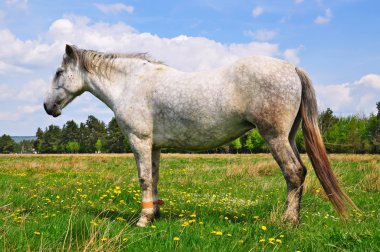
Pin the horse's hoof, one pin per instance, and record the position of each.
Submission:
(293, 220)
(143, 222)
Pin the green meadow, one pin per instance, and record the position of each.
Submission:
(212, 203)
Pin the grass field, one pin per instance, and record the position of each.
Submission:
(212, 203)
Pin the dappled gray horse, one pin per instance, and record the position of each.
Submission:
(157, 106)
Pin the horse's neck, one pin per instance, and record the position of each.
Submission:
(108, 87)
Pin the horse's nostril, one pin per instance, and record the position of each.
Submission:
(55, 105)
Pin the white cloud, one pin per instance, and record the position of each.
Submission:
(9, 116)
(183, 52)
(114, 8)
(30, 108)
(292, 56)
(347, 98)
(6, 68)
(257, 11)
(34, 90)
(372, 80)
(335, 97)
(324, 19)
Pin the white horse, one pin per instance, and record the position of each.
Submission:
(157, 106)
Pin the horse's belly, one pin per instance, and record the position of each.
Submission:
(197, 136)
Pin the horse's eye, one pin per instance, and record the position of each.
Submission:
(58, 73)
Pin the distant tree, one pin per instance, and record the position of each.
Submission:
(72, 147)
(38, 142)
(378, 109)
(115, 141)
(326, 120)
(7, 144)
(52, 140)
(25, 146)
(373, 133)
(94, 130)
(98, 146)
(70, 132)
(248, 143)
(236, 145)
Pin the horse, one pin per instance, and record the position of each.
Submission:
(157, 107)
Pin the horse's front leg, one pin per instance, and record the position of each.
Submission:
(142, 149)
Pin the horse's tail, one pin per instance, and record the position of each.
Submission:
(315, 147)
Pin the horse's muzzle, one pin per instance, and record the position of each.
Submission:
(54, 111)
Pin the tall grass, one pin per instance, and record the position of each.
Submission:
(212, 203)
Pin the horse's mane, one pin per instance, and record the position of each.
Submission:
(103, 63)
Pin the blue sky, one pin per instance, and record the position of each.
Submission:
(336, 41)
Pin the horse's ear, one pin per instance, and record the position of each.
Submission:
(72, 52)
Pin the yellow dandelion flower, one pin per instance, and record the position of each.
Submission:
(229, 235)
(282, 236)
(241, 241)
(193, 215)
(218, 233)
(201, 223)
(125, 239)
(37, 233)
(264, 228)
(180, 215)
(262, 240)
(226, 218)
(185, 224)
(256, 217)
(278, 241)
(104, 239)
(153, 226)
(120, 218)
(176, 238)
(57, 197)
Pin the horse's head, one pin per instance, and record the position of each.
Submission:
(67, 84)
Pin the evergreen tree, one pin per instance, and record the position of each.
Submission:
(38, 142)
(52, 140)
(95, 129)
(326, 119)
(7, 144)
(70, 132)
(115, 141)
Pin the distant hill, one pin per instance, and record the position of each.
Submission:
(18, 139)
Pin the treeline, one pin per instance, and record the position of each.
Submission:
(351, 134)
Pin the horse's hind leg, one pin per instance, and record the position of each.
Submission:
(155, 174)
(293, 172)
